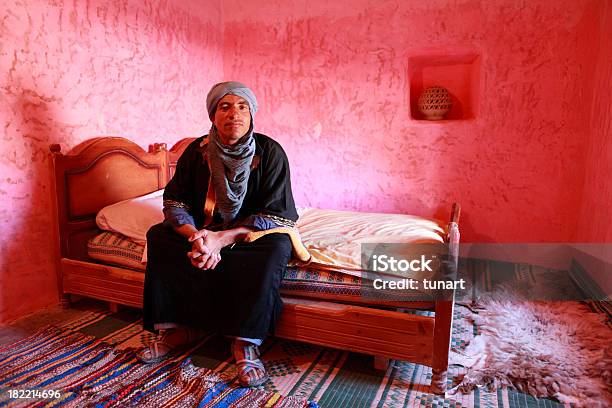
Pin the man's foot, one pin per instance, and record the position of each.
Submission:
(167, 341)
(251, 371)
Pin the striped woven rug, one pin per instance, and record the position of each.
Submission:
(90, 361)
(63, 367)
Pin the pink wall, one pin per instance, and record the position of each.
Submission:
(74, 70)
(333, 80)
(595, 224)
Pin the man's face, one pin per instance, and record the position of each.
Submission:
(232, 119)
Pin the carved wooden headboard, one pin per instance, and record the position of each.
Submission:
(99, 172)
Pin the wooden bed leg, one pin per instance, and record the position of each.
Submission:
(65, 301)
(441, 344)
(381, 363)
(114, 307)
(438, 381)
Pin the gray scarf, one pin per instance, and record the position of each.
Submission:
(230, 167)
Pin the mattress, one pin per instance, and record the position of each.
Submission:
(116, 249)
(333, 238)
(311, 280)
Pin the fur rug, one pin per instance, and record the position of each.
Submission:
(547, 349)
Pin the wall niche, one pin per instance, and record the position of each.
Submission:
(458, 73)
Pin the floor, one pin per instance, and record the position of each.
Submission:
(54, 315)
(334, 378)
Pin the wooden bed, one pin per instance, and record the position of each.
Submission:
(106, 170)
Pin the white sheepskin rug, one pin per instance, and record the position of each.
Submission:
(547, 349)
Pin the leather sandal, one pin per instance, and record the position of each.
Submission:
(250, 363)
(160, 348)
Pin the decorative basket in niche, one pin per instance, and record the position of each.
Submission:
(434, 103)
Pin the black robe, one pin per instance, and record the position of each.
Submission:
(240, 296)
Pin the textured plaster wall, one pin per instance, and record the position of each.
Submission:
(332, 78)
(74, 70)
(596, 215)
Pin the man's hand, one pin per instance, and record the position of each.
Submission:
(206, 245)
(206, 249)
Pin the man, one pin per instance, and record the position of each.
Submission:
(200, 273)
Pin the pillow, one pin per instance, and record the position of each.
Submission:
(133, 217)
